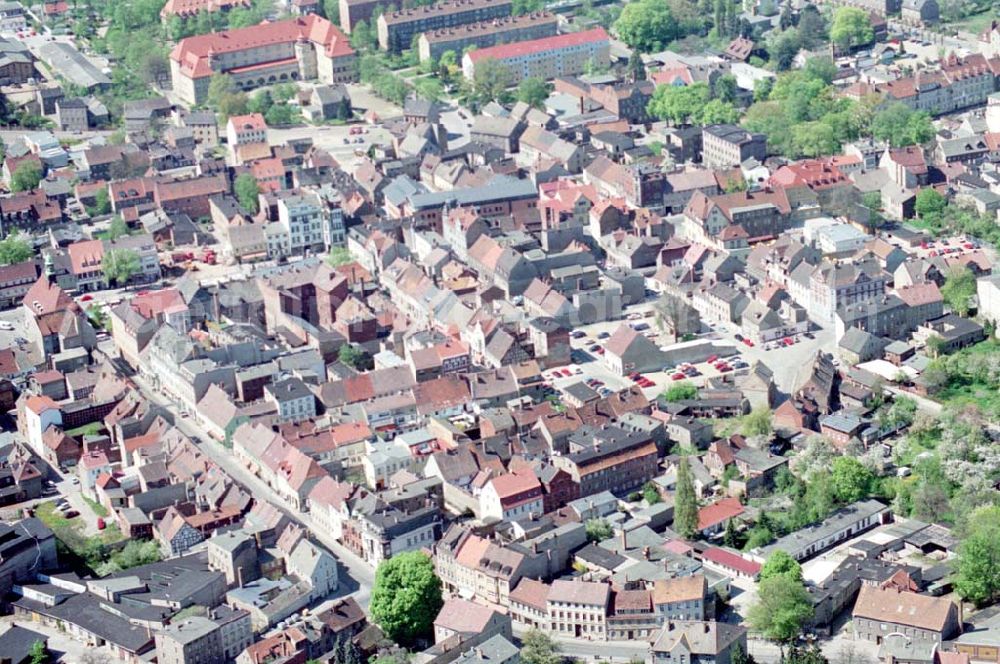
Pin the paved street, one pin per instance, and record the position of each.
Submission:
(356, 577)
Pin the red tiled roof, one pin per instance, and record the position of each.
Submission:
(718, 512)
(85, 256)
(192, 54)
(539, 45)
(192, 7)
(730, 560)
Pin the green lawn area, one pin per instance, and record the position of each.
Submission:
(70, 531)
(91, 429)
(974, 24)
(98, 509)
(966, 389)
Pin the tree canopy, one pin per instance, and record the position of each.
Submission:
(852, 480)
(959, 288)
(691, 104)
(781, 563)
(782, 609)
(537, 647)
(680, 391)
(978, 570)
(120, 265)
(900, 125)
(647, 25)
(26, 176)
(851, 27)
(930, 203)
(406, 597)
(533, 92)
(15, 248)
(247, 191)
(685, 502)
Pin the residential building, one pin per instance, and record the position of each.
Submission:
(725, 146)
(508, 29)
(698, 642)
(193, 640)
(511, 496)
(547, 58)
(879, 612)
(397, 29)
(578, 609)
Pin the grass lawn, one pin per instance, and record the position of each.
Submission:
(974, 24)
(964, 389)
(98, 509)
(91, 429)
(70, 531)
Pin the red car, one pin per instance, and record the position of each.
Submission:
(100, 523)
(788, 341)
(678, 376)
(724, 368)
(86, 298)
(712, 358)
(600, 350)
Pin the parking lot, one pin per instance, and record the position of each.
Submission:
(789, 363)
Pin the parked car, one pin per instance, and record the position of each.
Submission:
(72, 514)
(678, 376)
(100, 523)
(603, 335)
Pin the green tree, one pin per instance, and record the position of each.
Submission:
(527, 6)
(757, 423)
(647, 25)
(247, 191)
(537, 647)
(120, 265)
(651, 493)
(102, 203)
(717, 111)
(959, 288)
(219, 86)
(681, 391)
(362, 36)
(351, 355)
(38, 653)
(781, 563)
(533, 91)
(331, 10)
(490, 81)
(738, 656)
(406, 597)
(685, 502)
(900, 125)
(449, 60)
(116, 229)
(725, 88)
(679, 104)
(260, 102)
(636, 68)
(15, 248)
(598, 530)
(729, 536)
(26, 176)
(851, 27)
(977, 577)
(929, 204)
(852, 480)
(782, 610)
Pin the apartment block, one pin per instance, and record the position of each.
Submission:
(548, 58)
(434, 43)
(396, 30)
